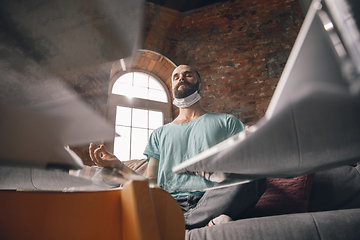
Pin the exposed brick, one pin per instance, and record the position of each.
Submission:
(240, 48)
(151, 65)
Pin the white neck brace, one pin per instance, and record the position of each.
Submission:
(187, 101)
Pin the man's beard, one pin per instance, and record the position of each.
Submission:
(187, 91)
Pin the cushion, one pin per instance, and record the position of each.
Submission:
(284, 196)
(337, 188)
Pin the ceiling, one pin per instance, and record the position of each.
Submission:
(184, 5)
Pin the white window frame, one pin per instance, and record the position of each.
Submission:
(115, 100)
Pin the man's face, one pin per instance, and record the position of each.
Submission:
(184, 81)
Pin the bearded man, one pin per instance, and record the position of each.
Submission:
(192, 132)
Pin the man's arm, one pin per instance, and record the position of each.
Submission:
(103, 158)
(152, 169)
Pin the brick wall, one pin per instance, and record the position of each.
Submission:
(162, 31)
(239, 47)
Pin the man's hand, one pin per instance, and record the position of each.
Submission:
(103, 158)
(211, 176)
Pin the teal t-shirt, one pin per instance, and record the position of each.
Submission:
(172, 144)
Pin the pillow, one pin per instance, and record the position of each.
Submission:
(284, 196)
(336, 188)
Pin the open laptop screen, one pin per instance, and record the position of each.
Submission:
(312, 111)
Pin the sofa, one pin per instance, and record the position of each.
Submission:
(327, 208)
(321, 205)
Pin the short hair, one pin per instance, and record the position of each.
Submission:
(198, 74)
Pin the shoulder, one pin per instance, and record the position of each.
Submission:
(230, 121)
(162, 129)
(216, 115)
(157, 135)
(222, 116)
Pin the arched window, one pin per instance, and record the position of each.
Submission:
(139, 101)
(134, 124)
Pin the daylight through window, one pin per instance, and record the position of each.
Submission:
(140, 85)
(134, 124)
(134, 127)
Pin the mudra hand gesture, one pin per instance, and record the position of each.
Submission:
(103, 158)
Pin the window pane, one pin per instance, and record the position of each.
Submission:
(140, 118)
(122, 89)
(138, 143)
(123, 85)
(126, 79)
(140, 92)
(144, 87)
(123, 116)
(141, 79)
(154, 84)
(155, 119)
(122, 143)
(156, 95)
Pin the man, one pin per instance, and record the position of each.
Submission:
(193, 131)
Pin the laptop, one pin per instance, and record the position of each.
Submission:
(311, 123)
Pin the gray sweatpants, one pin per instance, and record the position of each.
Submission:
(234, 201)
